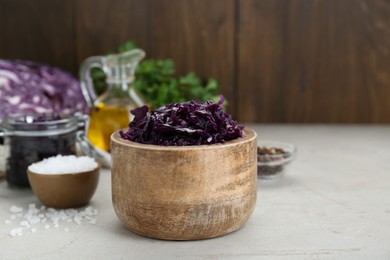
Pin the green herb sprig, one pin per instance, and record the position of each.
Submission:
(156, 81)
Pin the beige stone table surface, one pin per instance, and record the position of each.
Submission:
(333, 203)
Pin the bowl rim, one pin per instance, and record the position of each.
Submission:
(276, 163)
(291, 153)
(249, 135)
(96, 169)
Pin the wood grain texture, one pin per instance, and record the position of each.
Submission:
(184, 193)
(198, 35)
(40, 31)
(102, 26)
(314, 61)
(303, 61)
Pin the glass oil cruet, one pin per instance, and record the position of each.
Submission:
(110, 111)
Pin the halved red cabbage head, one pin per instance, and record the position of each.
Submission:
(179, 124)
(28, 87)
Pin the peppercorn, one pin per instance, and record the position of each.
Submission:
(269, 155)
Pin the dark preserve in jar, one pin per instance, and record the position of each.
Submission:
(28, 139)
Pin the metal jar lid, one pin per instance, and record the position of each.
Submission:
(42, 124)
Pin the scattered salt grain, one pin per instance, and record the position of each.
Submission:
(15, 209)
(35, 217)
(77, 220)
(63, 165)
(16, 232)
(24, 223)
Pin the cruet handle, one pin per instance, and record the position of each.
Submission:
(88, 149)
(86, 79)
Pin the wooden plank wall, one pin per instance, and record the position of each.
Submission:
(278, 61)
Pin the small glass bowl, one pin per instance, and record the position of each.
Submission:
(271, 166)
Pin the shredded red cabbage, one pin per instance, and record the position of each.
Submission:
(179, 124)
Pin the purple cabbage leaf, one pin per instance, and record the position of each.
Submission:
(28, 87)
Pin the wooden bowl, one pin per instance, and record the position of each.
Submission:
(184, 193)
(69, 190)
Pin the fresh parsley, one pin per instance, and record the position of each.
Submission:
(156, 81)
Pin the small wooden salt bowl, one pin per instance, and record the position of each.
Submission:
(69, 190)
(184, 193)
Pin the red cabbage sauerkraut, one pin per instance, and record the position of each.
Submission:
(180, 124)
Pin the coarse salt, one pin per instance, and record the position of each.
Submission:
(48, 217)
(24, 223)
(68, 164)
(16, 232)
(15, 209)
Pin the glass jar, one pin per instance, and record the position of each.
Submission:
(30, 138)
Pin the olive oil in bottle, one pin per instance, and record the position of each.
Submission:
(104, 121)
(111, 110)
